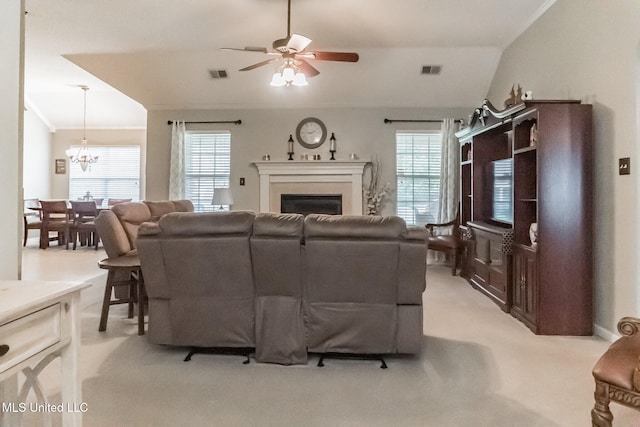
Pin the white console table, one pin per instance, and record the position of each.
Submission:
(39, 321)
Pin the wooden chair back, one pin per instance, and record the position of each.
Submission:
(450, 244)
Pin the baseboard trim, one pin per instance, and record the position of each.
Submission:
(604, 333)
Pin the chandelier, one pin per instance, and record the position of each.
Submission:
(83, 156)
(289, 74)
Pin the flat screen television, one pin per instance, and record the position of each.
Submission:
(502, 190)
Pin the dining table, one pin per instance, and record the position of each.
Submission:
(44, 241)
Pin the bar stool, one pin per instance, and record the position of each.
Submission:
(123, 271)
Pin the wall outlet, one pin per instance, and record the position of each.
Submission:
(624, 166)
(241, 181)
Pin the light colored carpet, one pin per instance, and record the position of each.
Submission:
(479, 367)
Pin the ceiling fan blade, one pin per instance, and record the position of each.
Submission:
(247, 49)
(306, 68)
(333, 56)
(298, 43)
(259, 64)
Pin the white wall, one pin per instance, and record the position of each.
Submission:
(37, 157)
(357, 130)
(64, 138)
(11, 121)
(587, 50)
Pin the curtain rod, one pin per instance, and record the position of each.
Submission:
(235, 122)
(420, 121)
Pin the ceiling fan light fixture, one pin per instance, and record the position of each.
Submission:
(299, 79)
(288, 73)
(277, 80)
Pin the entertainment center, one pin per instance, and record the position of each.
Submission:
(526, 212)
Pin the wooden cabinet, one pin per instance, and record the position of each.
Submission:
(525, 285)
(491, 262)
(39, 321)
(531, 164)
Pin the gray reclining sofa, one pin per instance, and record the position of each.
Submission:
(283, 284)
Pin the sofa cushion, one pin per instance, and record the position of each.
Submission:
(162, 207)
(282, 225)
(350, 226)
(195, 224)
(159, 208)
(131, 215)
(183, 205)
(114, 238)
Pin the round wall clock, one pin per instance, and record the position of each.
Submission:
(311, 132)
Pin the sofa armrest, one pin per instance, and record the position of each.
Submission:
(152, 261)
(148, 229)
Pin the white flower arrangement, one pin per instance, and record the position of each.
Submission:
(375, 193)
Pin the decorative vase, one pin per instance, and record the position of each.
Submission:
(533, 234)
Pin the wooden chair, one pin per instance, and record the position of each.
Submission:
(125, 284)
(123, 271)
(32, 219)
(450, 244)
(98, 201)
(54, 219)
(111, 202)
(617, 374)
(83, 228)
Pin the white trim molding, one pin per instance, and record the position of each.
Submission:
(312, 177)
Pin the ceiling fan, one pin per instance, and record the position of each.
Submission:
(291, 50)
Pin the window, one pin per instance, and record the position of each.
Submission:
(207, 166)
(116, 175)
(418, 166)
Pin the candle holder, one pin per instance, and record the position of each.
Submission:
(290, 146)
(332, 146)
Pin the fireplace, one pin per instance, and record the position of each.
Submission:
(317, 177)
(311, 203)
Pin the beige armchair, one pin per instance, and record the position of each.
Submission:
(617, 374)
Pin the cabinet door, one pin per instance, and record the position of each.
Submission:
(530, 306)
(491, 267)
(525, 286)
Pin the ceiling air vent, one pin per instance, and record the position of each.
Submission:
(431, 69)
(218, 74)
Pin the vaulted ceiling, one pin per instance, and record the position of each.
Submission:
(147, 54)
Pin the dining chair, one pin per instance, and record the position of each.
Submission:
(111, 202)
(32, 218)
(98, 201)
(54, 219)
(83, 214)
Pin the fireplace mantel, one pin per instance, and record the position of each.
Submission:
(312, 177)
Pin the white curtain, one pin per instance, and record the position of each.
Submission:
(176, 170)
(450, 176)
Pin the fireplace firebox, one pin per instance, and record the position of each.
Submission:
(311, 203)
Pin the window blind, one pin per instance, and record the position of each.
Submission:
(503, 190)
(418, 168)
(207, 165)
(115, 175)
